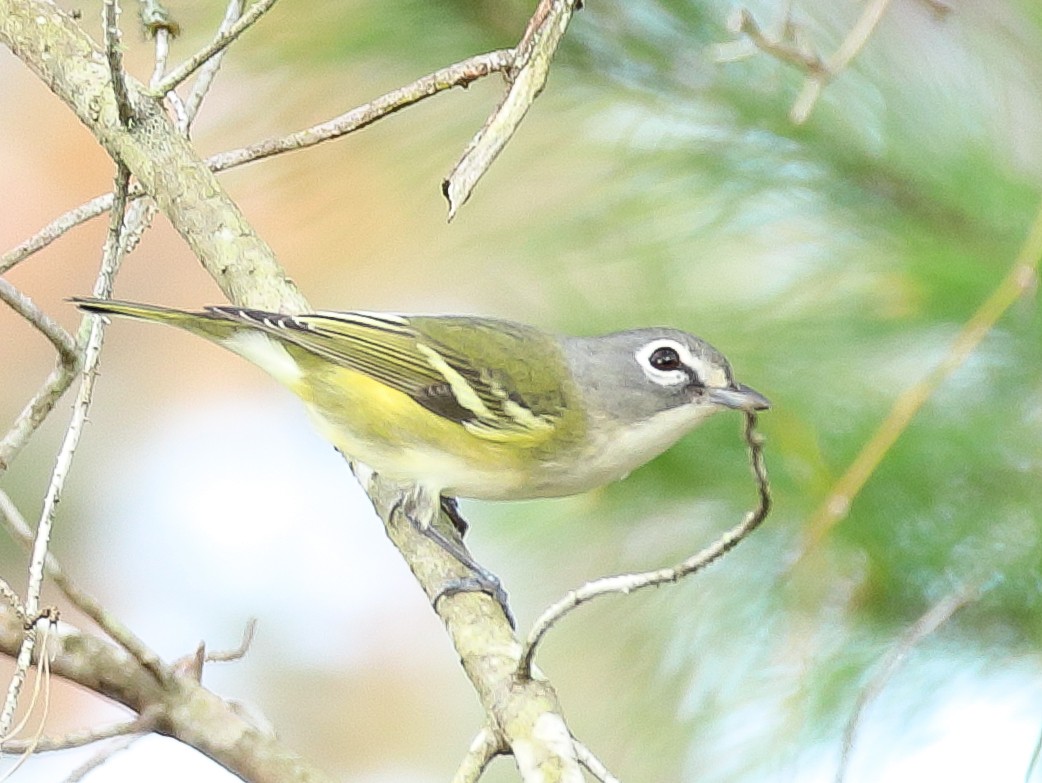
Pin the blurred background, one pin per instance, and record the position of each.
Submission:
(652, 183)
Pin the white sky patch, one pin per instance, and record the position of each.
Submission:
(238, 510)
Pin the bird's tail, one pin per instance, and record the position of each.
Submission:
(210, 325)
(245, 332)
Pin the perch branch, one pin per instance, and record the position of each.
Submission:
(524, 714)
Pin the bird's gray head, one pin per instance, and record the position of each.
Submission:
(632, 376)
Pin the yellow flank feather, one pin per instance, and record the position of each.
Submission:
(378, 425)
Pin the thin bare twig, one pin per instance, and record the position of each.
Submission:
(193, 63)
(111, 257)
(41, 685)
(15, 524)
(162, 35)
(209, 69)
(858, 35)
(34, 413)
(627, 583)
(224, 656)
(156, 19)
(528, 77)
(593, 764)
(161, 57)
(59, 227)
(457, 75)
(940, 9)
(80, 739)
(485, 747)
(140, 215)
(68, 352)
(839, 60)
(114, 56)
(11, 598)
(1021, 278)
(193, 664)
(783, 47)
(1036, 753)
(101, 757)
(162, 28)
(926, 625)
(789, 47)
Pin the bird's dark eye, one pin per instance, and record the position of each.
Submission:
(665, 359)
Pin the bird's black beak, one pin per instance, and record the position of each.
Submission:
(740, 397)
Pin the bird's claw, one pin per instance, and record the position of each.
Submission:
(479, 582)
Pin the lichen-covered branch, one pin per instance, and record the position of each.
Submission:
(180, 707)
(524, 714)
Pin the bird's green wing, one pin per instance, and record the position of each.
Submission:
(500, 380)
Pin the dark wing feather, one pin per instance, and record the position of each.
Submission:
(500, 380)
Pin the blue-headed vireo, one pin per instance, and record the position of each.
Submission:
(477, 407)
(458, 406)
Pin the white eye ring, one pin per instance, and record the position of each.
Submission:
(675, 377)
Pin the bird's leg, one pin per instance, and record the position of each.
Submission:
(418, 508)
(451, 508)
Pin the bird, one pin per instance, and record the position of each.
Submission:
(455, 406)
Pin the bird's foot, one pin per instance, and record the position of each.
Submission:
(420, 512)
